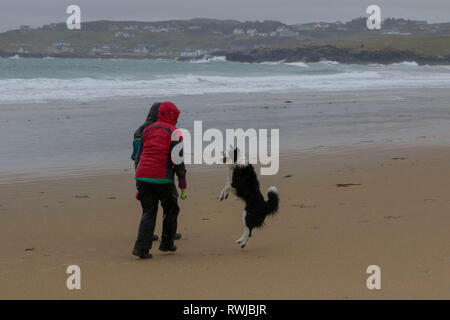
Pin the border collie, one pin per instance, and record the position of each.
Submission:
(243, 181)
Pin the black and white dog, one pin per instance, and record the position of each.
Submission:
(243, 181)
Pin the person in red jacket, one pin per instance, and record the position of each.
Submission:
(155, 174)
(152, 117)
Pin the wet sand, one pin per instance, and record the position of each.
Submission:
(73, 138)
(340, 212)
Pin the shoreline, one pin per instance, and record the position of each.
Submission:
(100, 132)
(286, 157)
(236, 98)
(248, 56)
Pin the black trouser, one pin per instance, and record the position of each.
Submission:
(150, 194)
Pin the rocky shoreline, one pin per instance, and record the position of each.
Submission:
(332, 53)
(297, 54)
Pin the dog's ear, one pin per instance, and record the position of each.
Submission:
(235, 155)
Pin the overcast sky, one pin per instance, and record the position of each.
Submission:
(14, 13)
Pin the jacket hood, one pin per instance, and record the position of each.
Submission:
(168, 112)
(151, 118)
(153, 113)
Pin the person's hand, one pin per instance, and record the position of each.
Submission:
(183, 195)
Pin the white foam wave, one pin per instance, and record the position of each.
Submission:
(209, 59)
(330, 63)
(272, 63)
(42, 89)
(406, 63)
(297, 64)
(282, 62)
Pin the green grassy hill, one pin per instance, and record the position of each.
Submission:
(171, 38)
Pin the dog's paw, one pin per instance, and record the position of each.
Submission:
(224, 194)
(242, 242)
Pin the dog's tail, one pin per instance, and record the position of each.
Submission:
(273, 201)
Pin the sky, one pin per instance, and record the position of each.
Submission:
(14, 13)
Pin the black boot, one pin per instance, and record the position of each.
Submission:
(143, 254)
(177, 236)
(167, 246)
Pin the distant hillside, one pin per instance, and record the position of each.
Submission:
(196, 38)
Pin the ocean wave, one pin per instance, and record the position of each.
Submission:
(406, 63)
(210, 59)
(297, 64)
(89, 79)
(272, 63)
(282, 62)
(329, 62)
(43, 89)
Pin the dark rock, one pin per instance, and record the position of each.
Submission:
(332, 53)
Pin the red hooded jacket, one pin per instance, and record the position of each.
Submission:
(155, 162)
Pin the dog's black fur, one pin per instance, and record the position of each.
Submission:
(245, 183)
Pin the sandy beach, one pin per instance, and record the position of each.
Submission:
(345, 110)
(396, 216)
